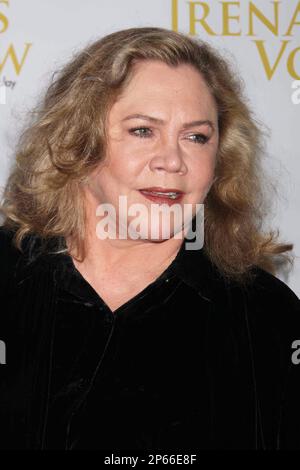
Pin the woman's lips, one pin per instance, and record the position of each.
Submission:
(162, 199)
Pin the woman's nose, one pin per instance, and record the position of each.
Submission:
(168, 157)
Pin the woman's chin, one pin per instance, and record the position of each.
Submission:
(156, 234)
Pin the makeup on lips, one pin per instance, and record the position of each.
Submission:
(162, 195)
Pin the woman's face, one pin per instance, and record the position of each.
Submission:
(162, 132)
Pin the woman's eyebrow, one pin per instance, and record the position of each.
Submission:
(199, 122)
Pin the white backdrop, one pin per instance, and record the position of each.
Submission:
(262, 38)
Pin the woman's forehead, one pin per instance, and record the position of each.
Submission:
(157, 72)
(156, 85)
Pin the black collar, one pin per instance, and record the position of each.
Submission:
(192, 266)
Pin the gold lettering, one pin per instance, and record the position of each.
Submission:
(291, 64)
(4, 18)
(12, 54)
(265, 60)
(194, 20)
(293, 21)
(227, 18)
(175, 15)
(273, 27)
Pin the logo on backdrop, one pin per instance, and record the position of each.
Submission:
(12, 58)
(199, 18)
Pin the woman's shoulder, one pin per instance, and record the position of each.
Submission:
(6, 235)
(258, 289)
(267, 287)
(273, 329)
(15, 262)
(9, 256)
(273, 308)
(8, 250)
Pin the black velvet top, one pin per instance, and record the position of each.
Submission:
(192, 362)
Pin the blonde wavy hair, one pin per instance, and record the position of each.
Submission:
(66, 140)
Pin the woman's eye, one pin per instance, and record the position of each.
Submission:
(140, 131)
(146, 132)
(200, 138)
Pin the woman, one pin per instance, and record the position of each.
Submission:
(138, 342)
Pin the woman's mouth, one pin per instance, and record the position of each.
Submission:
(163, 197)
